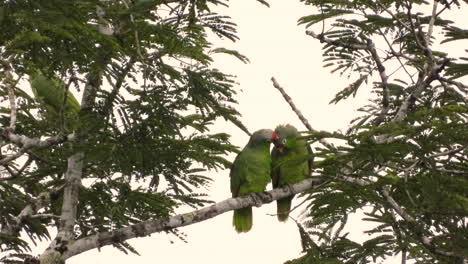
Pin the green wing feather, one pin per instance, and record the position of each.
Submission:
(50, 92)
(249, 173)
(290, 166)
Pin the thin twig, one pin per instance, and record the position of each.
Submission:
(393, 16)
(443, 9)
(137, 38)
(448, 152)
(297, 111)
(393, 52)
(403, 256)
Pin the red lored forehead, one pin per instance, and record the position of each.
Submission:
(274, 136)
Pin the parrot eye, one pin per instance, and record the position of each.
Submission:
(283, 141)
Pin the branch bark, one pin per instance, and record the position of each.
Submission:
(30, 210)
(424, 81)
(27, 143)
(297, 111)
(425, 240)
(157, 225)
(73, 176)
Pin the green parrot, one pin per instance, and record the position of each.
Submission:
(49, 92)
(250, 173)
(289, 165)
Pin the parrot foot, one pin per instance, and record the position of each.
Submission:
(258, 202)
(260, 198)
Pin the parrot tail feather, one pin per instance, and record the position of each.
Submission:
(242, 219)
(283, 206)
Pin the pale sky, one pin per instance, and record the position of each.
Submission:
(276, 47)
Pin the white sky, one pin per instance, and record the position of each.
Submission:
(276, 47)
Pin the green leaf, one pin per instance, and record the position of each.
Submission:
(234, 53)
(312, 19)
(350, 90)
(263, 2)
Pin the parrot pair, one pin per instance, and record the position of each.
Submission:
(254, 167)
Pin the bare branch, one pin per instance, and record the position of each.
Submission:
(29, 143)
(10, 86)
(383, 76)
(393, 16)
(421, 84)
(157, 225)
(29, 211)
(417, 36)
(397, 55)
(381, 68)
(443, 9)
(70, 196)
(431, 23)
(73, 177)
(12, 99)
(448, 152)
(297, 111)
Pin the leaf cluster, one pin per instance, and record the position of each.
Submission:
(145, 133)
(403, 162)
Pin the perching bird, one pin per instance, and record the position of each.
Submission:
(250, 173)
(291, 163)
(50, 92)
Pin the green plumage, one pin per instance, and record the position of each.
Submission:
(250, 173)
(50, 92)
(290, 166)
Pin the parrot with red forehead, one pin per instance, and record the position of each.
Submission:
(291, 163)
(250, 173)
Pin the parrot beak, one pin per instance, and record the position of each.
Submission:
(279, 147)
(276, 141)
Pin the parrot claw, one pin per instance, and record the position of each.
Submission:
(258, 201)
(261, 198)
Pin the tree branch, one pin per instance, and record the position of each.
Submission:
(10, 84)
(157, 225)
(29, 211)
(448, 152)
(297, 111)
(397, 55)
(12, 99)
(27, 143)
(393, 16)
(426, 241)
(73, 175)
(383, 76)
(431, 23)
(421, 84)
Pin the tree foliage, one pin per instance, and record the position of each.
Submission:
(141, 144)
(404, 161)
(149, 94)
